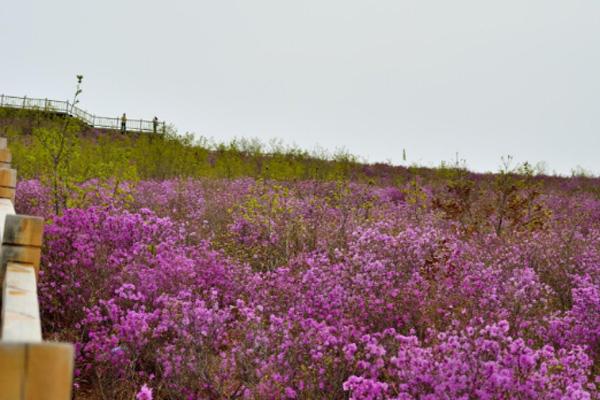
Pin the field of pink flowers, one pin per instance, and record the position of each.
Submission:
(244, 289)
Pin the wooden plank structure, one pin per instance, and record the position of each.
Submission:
(30, 369)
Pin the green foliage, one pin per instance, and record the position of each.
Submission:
(456, 199)
(36, 138)
(516, 197)
(65, 152)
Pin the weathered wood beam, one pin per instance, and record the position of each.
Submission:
(19, 265)
(22, 240)
(8, 183)
(20, 309)
(36, 371)
(5, 154)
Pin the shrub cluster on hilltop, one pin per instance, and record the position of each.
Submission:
(93, 153)
(160, 156)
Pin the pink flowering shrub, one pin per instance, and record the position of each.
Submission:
(475, 363)
(33, 198)
(184, 289)
(580, 325)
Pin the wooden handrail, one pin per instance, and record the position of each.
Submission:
(30, 369)
(66, 108)
(20, 308)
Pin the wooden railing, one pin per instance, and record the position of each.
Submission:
(30, 369)
(66, 108)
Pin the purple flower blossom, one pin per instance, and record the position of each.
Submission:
(145, 393)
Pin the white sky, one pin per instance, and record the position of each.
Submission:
(481, 78)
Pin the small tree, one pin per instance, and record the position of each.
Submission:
(516, 197)
(59, 144)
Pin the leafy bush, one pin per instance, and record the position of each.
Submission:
(210, 288)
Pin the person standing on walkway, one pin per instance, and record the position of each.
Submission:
(154, 123)
(123, 123)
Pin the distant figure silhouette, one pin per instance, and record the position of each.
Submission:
(154, 123)
(123, 123)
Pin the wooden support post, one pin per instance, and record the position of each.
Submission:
(22, 240)
(36, 371)
(5, 154)
(8, 183)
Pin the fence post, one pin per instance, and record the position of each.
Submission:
(22, 240)
(24, 100)
(5, 154)
(20, 262)
(164, 127)
(8, 182)
(2, 100)
(36, 371)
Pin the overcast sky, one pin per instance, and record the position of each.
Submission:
(481, 78)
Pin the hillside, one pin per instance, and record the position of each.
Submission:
(100, 153)
(188, 271)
